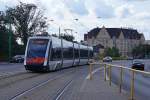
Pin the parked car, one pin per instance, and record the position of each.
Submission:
(17, 59)
(107, 59)
(138, 65)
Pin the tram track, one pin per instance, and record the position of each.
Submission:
(8, 75)
(14, 79)
(19, 95)
(52, 89)
(32, 83)
(62, 90)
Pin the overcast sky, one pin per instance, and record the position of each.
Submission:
(92, 13)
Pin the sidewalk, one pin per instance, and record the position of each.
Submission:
(95, 89)
(98, 89)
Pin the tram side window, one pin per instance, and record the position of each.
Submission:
(67, 50)
(86, 53)
(76, 52)
(90, 54)
(68, 53)
(56, 53)
(83, 53)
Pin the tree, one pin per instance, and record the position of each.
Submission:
(27, 20)
(67, 37)
(4, 37)
(5, 32)
(141, 51)
(107, 52)
(113, 52)
(3, 42)
(54, 35)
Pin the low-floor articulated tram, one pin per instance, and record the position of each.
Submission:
(48, 53)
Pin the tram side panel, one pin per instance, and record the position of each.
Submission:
(55, 59)
(83, 55)
(54, 54)
(67, 53)
(76, 54)
(90, 53)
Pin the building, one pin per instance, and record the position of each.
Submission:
(147, 42)
(124, 39)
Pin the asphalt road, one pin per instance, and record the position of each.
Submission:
(23, 85)
(142, 82)
(11, 67)
(18, 84)
(36, 86)
(66, 84)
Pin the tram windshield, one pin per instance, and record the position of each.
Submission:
(36, 50)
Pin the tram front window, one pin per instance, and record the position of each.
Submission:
(36, 51)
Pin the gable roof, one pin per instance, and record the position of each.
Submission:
(115, 32)
(131, 34)
(93, 32)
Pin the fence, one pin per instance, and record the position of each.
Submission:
(109, 67)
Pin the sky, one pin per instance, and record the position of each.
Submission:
(91, 13)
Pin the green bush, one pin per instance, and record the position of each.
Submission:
(113, 52)
(119, 58)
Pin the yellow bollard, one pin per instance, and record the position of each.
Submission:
(90, 71)
(132, 87)
(121, 79)
(109, 75)
(105, 72)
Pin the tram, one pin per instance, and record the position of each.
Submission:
(48, 53)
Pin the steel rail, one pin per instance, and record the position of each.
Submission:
(16, 97)
(12, 75)
(62, 90)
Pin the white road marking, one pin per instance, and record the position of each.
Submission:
(93, 72)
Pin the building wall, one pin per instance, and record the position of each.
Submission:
(124, 45)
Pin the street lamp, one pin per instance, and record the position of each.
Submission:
(59, 30)
(83, 26)
(98, 17)
(60, 39)
(76, 19)
(9, 38)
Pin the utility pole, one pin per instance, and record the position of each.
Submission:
(61, 46)
(10, 38)
(59, 32)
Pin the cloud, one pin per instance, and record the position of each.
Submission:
(7, 3)
(101, 8)
(124, 11)
(76, 6)
(142, 15)
(135, 0)
(112, 13)
(104, 12)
